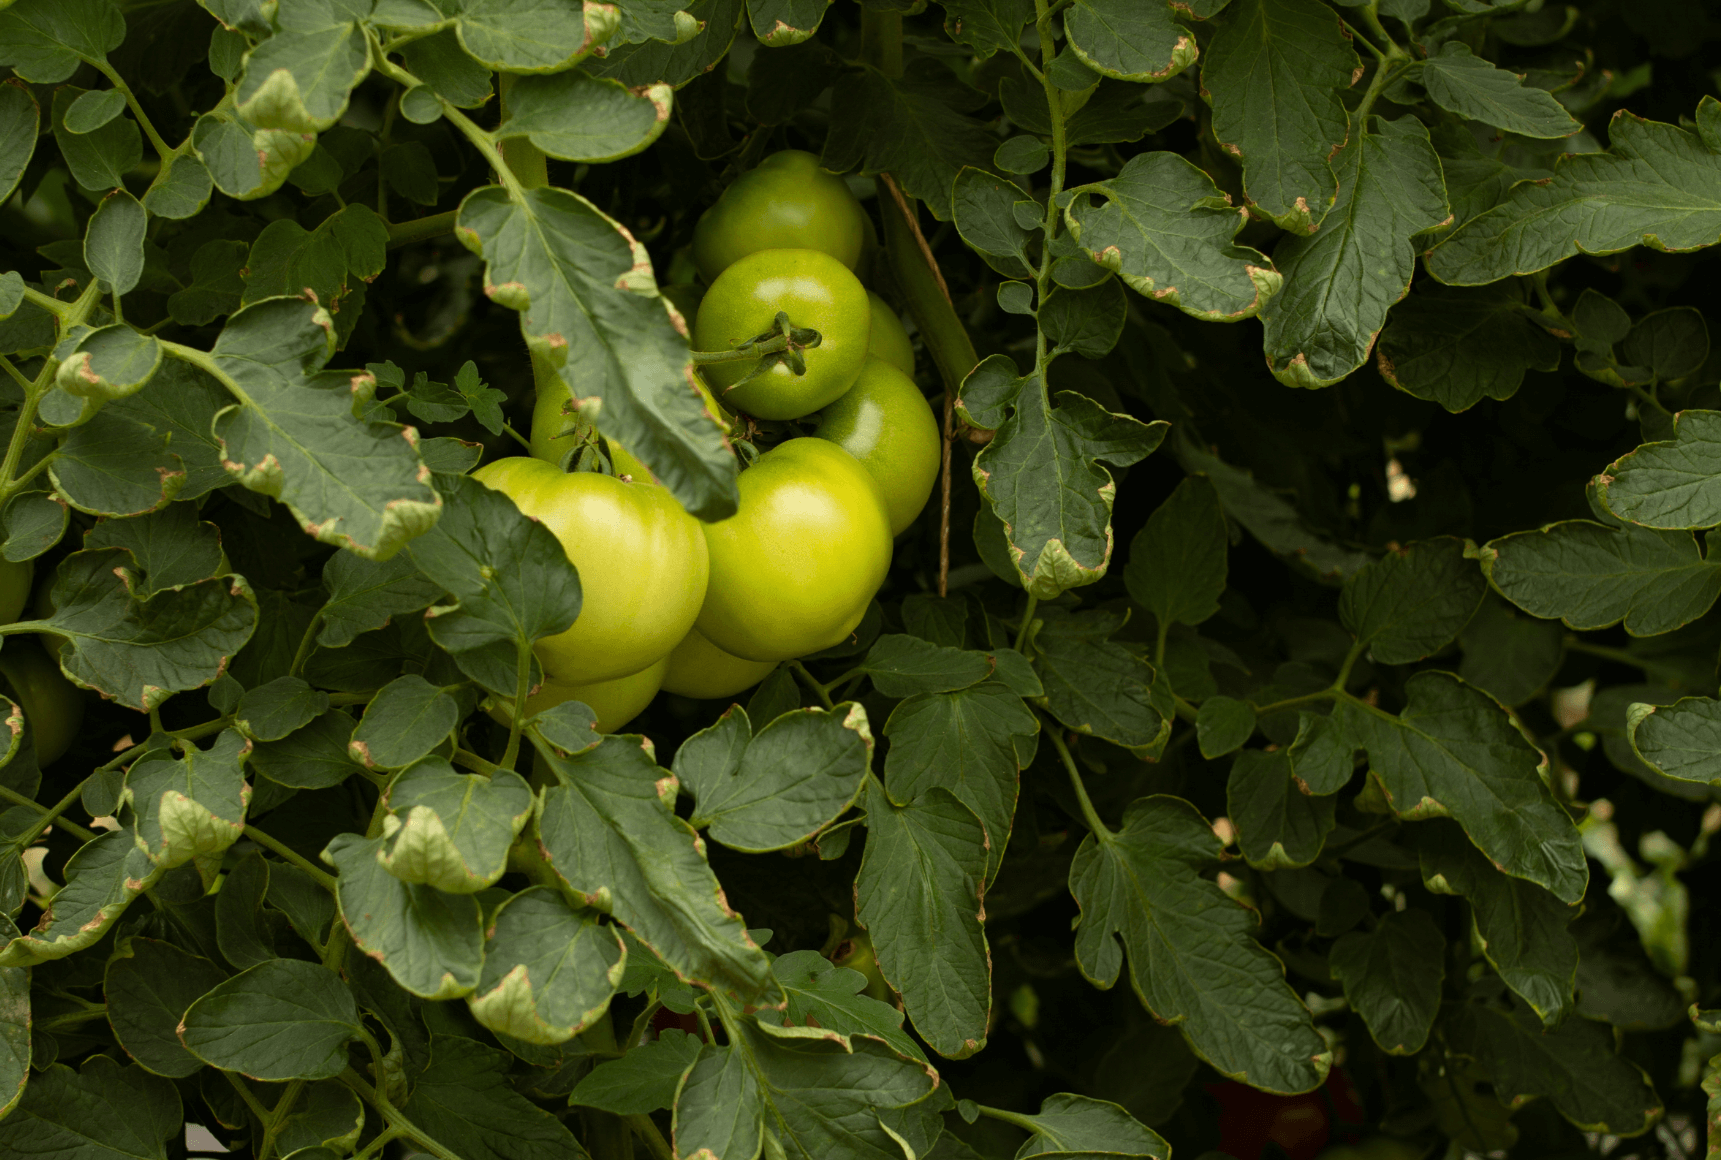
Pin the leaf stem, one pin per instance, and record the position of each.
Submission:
(102, 66)
(522, 682)
(1026, 1123)
(251, 1101)
(1027, 622)
(643, 1127)
(1089, 814)
(1606, 652)
(421, 229)
(1327, 694)
(303, 653)
(812, 682)
(1377, 82)
(1372, 18)
(393, 1116)
(1356, 650)
(50, 814)
(69, 317)
(321, 877)
(1049, 227)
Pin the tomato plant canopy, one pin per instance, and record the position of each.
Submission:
(924, 579)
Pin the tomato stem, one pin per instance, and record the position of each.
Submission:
(323, 879)
(1089, 814)
(812, 682)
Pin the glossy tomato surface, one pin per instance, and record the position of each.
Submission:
(700, 669)
(884, 422)
(785, 202)
(792, 571)
(888, 340)
(53, 706)
(816, 291)
(615, 702)
(641, 559)
(14, 588)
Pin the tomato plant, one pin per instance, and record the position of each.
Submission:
(925, 579)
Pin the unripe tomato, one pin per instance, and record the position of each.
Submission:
(615, 702)
(700, 669)
(856, 953)
(53, 706)
(884, 422)
(14, 588)
(816, 291)
(641, 558)
(793, 570)
(785, 203)
(554, 435)
(888, 340)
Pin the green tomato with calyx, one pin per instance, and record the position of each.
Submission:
(53, 706)
(888, 339)
(816, 292)
(702, 670)
(785, 202)
(641, 559)
(614, 702)
(885, 422)
(793, 570)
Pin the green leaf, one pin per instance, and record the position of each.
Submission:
(215, 288)
(1508, 656)
(982, 209)
(919, 894)
(100, 159)
(141, 650)
(910, 126)
(114, 241)
(1341, 280)
(902, 666)
(1392, 976)
(549, 970)
(405, 720)
(1463, 83)
(1521, 927)
(971, 742)
(779, 786)
(1095, 686)
(331, 1117)
(1164, 227)
(45, 40)
(115, 465)
(445, 68)
(1458, 346)
(1678, 740)
(110, 362)
(1454, 752)
(1073, 1125)
(1574, 1066)
(1410, 603)
(987, 26)
(193, 807)
(280, 1020)
(645, 1079)
(590, 309)
(1222, 725)
(1042, 472)
(1192, 960)
(1280, 823)
(99, 1111)
(527, 36)
(1085, 321)
(430, 941)
(1177, 566)
(1656, 186)
(20, 122)
(780, 23)
(94, 109)
(1593, 576)
(148, 986)
(452, 830)
(824, 995)
(1673, 343)
(1670, 485)
(813, 1096)
(1273, 76)
(295, 438)
(578, 117)
(181, 189)
(312, 757)
(244, 161)
(272, 711)
(366, 594)
(15, 1029)
(334, 262)
(243, 932)
(465, 1101)
(35, 521)
(1132, 41)
(300, 78)
(610, 834)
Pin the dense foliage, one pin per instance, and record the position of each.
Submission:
(1353, 703)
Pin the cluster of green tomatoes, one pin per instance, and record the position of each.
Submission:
(786, 332)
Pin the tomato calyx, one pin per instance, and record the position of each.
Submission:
(783, 343)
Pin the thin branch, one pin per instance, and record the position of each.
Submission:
(321, 877)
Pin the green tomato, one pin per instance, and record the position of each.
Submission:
(885, 422)
(786, 203)
(615, 702)
(15, 588)
(793, 570)
(641, 558)
(856, 953)
(815, 290)
(888, 340)
(702, 670)
(554, 433)
(53, 706)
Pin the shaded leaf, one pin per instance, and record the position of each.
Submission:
(407, 718)
(1463, 83)
(1392, 977)
(1177, 566)
(283, 1019)
(645, 1078)
(579, 117)
(430, 941)
(101, 1110)
(1673, 484)
(366, 594)
(1678, 740)
(549, 970)
(1132, 41)
(1457, 346)
(1409, 604)
(902, 666)
(452, 830)
(148, 985)
(465, 1102)
(827, 996)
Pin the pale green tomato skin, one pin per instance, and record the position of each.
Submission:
(793, 570)
(615, 702)
(786, 202)
(15, 588)
(885, 422)
(888, 339)
(641, 559)
(702, 670)
(53, 706)
(814, 290)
